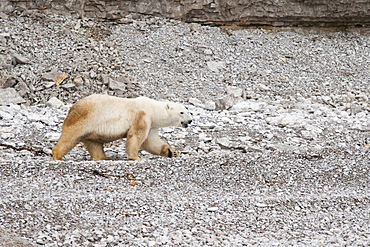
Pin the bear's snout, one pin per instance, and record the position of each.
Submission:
(185, 124)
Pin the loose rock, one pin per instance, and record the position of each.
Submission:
(10, 96)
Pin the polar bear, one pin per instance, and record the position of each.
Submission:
(98, 119)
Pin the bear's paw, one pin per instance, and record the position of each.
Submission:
(172, 153)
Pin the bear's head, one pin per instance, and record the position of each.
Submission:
(178, 114)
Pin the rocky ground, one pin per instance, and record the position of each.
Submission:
(278, 152)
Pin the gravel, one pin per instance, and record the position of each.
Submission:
(278, 154)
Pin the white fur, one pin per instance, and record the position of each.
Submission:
(112, 116)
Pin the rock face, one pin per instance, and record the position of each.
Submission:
(253, 12)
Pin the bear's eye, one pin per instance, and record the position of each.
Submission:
(181, 112)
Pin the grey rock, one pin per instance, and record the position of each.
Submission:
(7, 81)
(51, 76)
(263, 87)
(19, 59)
(195, 27)
(161, 240)
(54, 76)
(225, 103)
(224, 142)
(204, 137)
(253, 148)
(196, 102)
(119, 85)
(210, 105)
(207, 125)
(10, 96)
(54, 102)
(22, 88)
(48, 83)
(5, 61)
(287, 120)
(105, 79)
(247, 106)
(215, 66)
(261, 205)
(69, 86)
(212, 209)
(235, 92)
(208, 52)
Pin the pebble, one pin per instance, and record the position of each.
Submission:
(208, 52)
(212, 209)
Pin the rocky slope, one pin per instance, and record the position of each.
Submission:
(277, 155)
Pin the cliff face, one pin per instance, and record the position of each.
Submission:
(243, 12)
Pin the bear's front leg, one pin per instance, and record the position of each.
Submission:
(170, 152)
(154, 145)
(136, 136)
(133, 144)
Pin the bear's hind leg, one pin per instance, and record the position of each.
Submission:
(133, 144)
(96, 150)
(154, 145)
(63, 146)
